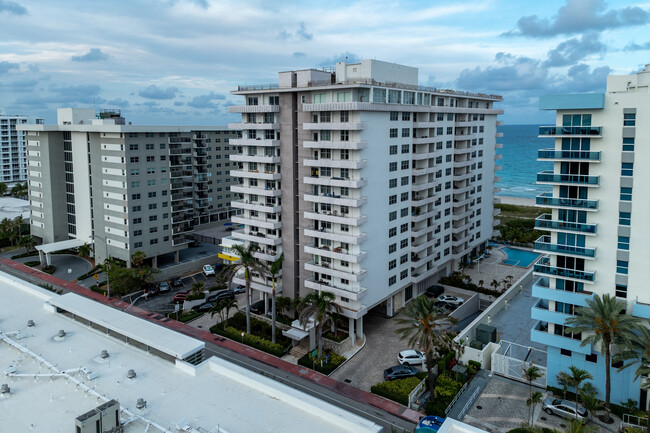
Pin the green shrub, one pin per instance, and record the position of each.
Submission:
(32, 263)
(251, 340)
(443, 363)
(50, 288)
(185, 316)
(332, 336)
(333, 361)
(95, 270)
(194, 297)
(456, 280)
(474, 366)
(397, 390)
(49, 269)
(445, 390)
(20, 256)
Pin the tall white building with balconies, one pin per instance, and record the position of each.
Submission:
(372, 186)
(13, 160)
(598, 241)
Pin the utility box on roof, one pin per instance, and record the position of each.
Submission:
(486, 334)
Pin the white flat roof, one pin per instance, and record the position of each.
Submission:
(151, 334)
(216, 396)
(61, 245)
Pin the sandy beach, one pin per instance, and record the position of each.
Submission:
(517, 201)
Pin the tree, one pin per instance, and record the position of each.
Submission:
(3, 189)
(123, 280)
(576, 377)
(137, 258)
(480, 283)
(223, 308)
(19, 190)
(84, 251)
(530, 374)
(28, 242)
(17, 229)
(495, 284)
(197, 287)
(283, 304)
(535, 399)
(563, 379)
(319, 307)
(249, 265)
(635, 349)
(423, 327)
(605, 325)
(274, 270)
(575, 426)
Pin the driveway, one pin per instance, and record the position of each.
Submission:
(68, 266)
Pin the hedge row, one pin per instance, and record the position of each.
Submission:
(185, 317)
(50, 269)
(95, 270)
(259, 328)
(333, 361)
(250, 340)
(445, 390)
(457, 281)
(20, 256)
(32, 263)
(397, 390)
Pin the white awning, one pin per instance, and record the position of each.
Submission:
(61, 245)
(295, 334)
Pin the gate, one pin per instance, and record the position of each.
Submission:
(510, 360)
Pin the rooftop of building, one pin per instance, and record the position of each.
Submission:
(54, 379)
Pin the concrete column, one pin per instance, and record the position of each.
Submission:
(389, 307)
(154, 262)
(360, 327)
(48, 259)
(177, 256)
(351, 328)
(41, 257)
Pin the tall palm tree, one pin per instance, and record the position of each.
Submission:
(636, 350)
(320, 307)
(197, 287)
(249, 264)
(223, 308)
(605, 325)
(274, 270)
(84, 251)
(530, 374)
(283, 304)
(16, 229)
(535, 399)
(423, 327)
(3, 189)
(28, 242)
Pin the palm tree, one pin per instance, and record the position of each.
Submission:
(16, 229)
(19, 190)
(495, 284)
(137, 258)
(605, 324)
(84, 251)
(3, 189)
(636, 349)
(197, 287)
(575, 426)
(249, 264)
(535, 399)
(223, 308)
(27, 241)
(480, 283)
(589, 398)
(320, 307)
(576, 377)
(531, 373)
(423, 326)
(274, 270)
(283, 303)
(564, 380)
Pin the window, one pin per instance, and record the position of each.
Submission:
(135, 184)
(151, 182)
(152, 206)
(404, 212)
(622, 266)
(406, 132)
(392, 199)
(394, 115)
(162, 146)
(345, 136)
(137, 208)
(627, 169)
(624, 218)
(404, 243)
(403, 259)
(628, 145)
(406, 116)
(149, 146)
(135, 196)
(152, 194)
(565, 352)
(404, 180)
(153, 241)
(345, 116)
(404, 228)
(626, 194)
(134, 159)
(404, 196)
(133, 147)
(405, 148)
(137, 220)
(392, 280)
(392, 264)
(392, 216)
(621, 291)
(404, 274)
(392, 150)
(392, 248)
(392, 232)
(405, 165)
(629, 119)
(623, 243)
(392, 133)
(137, 245)
(153, 217)
(392, 166)
(591, 358)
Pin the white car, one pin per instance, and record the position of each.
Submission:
(564, 408)
(208, 270)
(453, 300)
(411, 357)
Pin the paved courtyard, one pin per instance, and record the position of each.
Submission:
(68, 266)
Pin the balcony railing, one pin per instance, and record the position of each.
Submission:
(578, 155)
(547, 199)
(545, 221)
(553, 131)
(581, 179)
(543, 243)
(543, 266)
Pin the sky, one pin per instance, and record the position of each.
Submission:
(176, 61)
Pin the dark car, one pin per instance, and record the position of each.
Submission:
(164, 287)
(435, 291)
(206, 306)
(400, 372)
(224, 294)
(151, 290)
(176, 283)
(258, 307)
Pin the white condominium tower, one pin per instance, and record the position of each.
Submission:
(372, 186)
(598, 241)
(12, 149)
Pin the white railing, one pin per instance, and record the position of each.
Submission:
(460, 392)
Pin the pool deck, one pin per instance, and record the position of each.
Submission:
(491, 268)
(520, 251)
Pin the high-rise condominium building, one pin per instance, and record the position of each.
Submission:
(12, 149)
(125, 187)
(598, 241)
(372, 186)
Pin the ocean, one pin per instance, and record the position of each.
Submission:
(520, 165)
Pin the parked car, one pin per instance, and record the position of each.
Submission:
(151, 290)
(176, 283)
(224, 294)
(429, 424)
(400, 372)
(206, 306)
(258, 307)
(564, 408)
(239, 289)
(180, 297)
(435, 291)
(208, 270)
(164, 287)
(411, 357)
(452, 300)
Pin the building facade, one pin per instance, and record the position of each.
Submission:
(12, 149)
(372, 186)
(124, 187)
(598, 239)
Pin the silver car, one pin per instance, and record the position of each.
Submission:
(565, 409)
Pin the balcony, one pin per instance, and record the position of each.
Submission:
(336, 181)
(548, 200)
(338, 272)
(336, 163)
(261, 223)
(548, 177)
(254, 142)
(423, 140)
(336, 200)
(258, 237)
(543, 266)
(546, 222)
(335, 126)
(351, 293)
(326, 144)
(263, 159)
(256, 174)
(570, 131)
(543, 337)
(337, 237)
(641, 309)
(336, 253)
(540, 311)
(257, 206)
(334, 217)
(543, 244)
(257, 191)
(254, 109)
(567, 155)
(259, 286)
(542, 290)
(242, 126)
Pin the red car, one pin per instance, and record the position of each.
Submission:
(180, 297)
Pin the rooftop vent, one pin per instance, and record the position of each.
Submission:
(30, 323)
(104, 354)
(131, 374)
(4, 389)
(61, 333)
(141, 403)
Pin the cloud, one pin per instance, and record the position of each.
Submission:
(178, 103)
(632, 46)
(84, 93)
(94, 55)
(579, 16)
(573, 50)
(347, 57)
(118, 102)
(300, 34)
(7, 66)
(299, 54)
(22, 86)
(155, 92)
(582, 79)
(12, 8)
(206, 101)
(512, 73)
(201, 3)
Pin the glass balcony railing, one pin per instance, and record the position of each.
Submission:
(543, 243)
(580, 179)
(547, 199)
(546, 221)
(543, 266)
(568, 154)
(551, 131)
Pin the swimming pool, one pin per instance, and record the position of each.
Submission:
(520, 258)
